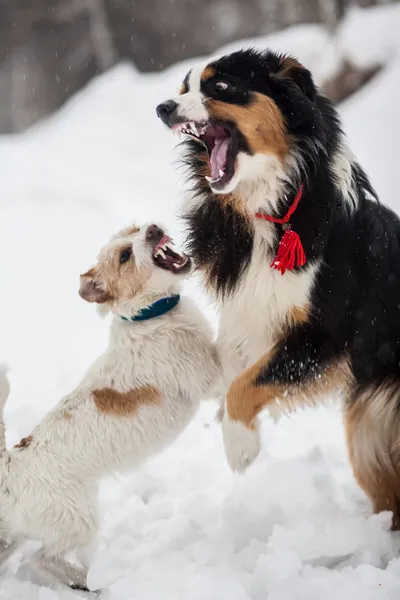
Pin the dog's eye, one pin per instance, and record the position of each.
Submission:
(125, 256)
(221, 86)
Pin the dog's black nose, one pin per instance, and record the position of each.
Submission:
(154, 233)
(165, 110)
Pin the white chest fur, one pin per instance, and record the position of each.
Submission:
(255, 314)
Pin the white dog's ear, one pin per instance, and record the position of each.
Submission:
(93, 290)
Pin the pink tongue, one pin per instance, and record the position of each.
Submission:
(218, 156)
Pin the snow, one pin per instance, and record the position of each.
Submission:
(295, 526)
(371, 37)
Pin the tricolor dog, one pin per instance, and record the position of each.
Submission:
(299, 254)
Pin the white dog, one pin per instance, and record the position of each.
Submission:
(135, 399)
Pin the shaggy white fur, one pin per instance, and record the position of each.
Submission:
(134, 400)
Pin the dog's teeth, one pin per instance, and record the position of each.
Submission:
(208, 178)
(160, 252)
(221, 173)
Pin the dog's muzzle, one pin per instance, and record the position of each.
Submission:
(166, 111)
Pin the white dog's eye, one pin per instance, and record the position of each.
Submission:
(221, 86)
(125, 256)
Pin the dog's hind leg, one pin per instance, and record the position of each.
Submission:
(73, 576)
(7, 548)
(8, 544)
(70, 531)
(372, 421)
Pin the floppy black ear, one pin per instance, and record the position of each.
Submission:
(303, 79)
(292, 70)
(295, 91)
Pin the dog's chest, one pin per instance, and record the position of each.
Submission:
(254, 316)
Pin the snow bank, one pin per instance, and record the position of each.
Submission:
(296, 526)
(371, 37)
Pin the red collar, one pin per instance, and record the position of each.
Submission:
(290, 252)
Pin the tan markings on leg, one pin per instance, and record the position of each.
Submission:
(373, 435)
(208, 73)
(260, 122)
(245, 399)
(125, 404)
(25, 442)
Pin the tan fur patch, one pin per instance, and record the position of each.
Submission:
(124, 404)
(260, 122)
(25, 442)
(373, 433)
(109, 280)
(236, 203)
(208, 73)
(288, 64)
(245, 399)
(298, 316)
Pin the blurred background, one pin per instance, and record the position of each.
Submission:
(49, 49)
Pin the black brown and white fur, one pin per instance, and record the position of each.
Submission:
(258, 129)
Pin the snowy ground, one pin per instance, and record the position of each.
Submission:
(184, 527)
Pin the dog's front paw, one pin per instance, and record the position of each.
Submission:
(242, 444)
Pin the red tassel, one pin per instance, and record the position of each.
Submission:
(290, 253)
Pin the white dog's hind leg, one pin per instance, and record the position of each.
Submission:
(7, 548)
(71, 532)
(73, 576)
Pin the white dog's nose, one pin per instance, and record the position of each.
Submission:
(154, 232)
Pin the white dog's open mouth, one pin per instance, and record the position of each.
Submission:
(220, 140)
(167, 257)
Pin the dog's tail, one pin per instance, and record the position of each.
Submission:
(4, 392)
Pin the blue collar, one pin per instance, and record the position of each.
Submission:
(157, 309)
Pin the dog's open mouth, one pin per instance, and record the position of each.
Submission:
(166, 256)
(220, 141)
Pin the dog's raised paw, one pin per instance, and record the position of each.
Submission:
(242, 444)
